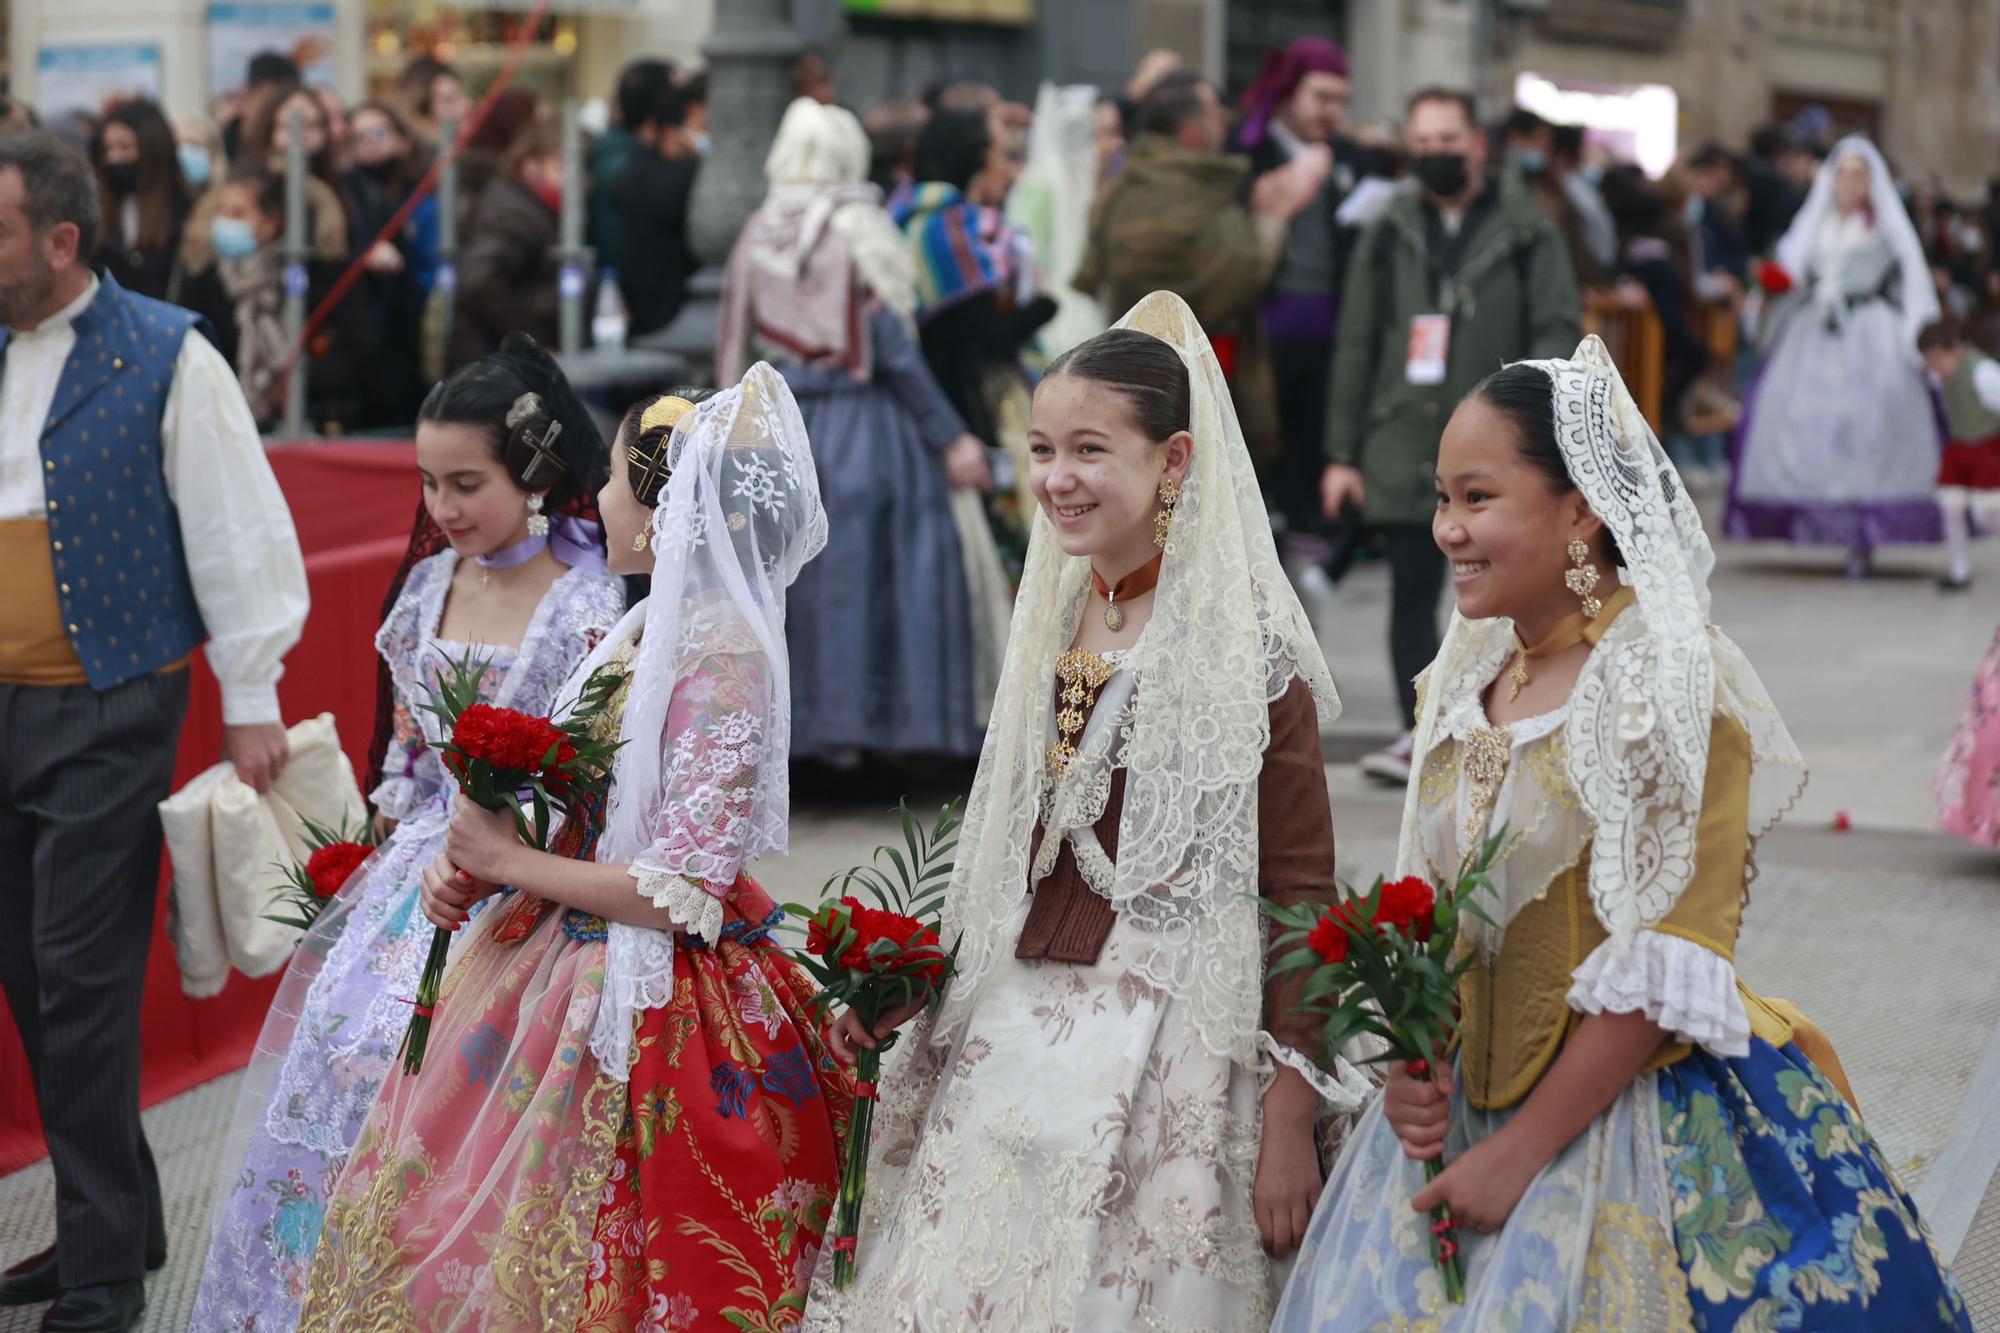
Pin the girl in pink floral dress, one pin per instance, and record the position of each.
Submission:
(1968, 786)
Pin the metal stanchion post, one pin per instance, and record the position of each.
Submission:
(298, 248)
(446, 282)
(572, 257)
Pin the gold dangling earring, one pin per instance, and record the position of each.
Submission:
(639, 542)
(1582, 580)
(1163, 519)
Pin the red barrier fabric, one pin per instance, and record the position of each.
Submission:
(352, 505)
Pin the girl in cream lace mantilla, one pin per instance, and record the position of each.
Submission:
(1633, 1139)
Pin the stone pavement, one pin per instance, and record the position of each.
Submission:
(1884, 935)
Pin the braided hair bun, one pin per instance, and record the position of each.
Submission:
(533, 421)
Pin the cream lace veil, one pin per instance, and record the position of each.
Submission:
(1637, 734)
(1226, 638)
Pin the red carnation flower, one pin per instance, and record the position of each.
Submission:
(330, 866)
(1329, 938)
(506, 739)
(1407, 905)
(1772, 278)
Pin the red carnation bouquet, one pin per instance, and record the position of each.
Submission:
(332, 857)
(1386, 964)
(875, 960)
(504, 759)
(1772, 278)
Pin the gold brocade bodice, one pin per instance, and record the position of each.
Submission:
(1513, 1000)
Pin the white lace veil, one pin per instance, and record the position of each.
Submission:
(1226, 638)
(1638, 729)
(1917, 294)
(740, 516)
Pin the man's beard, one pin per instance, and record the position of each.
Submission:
(24, 302)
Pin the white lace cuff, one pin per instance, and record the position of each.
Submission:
(638, 975)
(1343, 1092)
(397, 798)
(1686, 988)
(688, 904)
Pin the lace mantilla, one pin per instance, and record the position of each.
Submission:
(1226, 638)
(701, 785)
(1640, 715)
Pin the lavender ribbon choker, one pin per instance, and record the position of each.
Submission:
(577, 542)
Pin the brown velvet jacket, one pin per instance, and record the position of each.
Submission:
(1068, 921)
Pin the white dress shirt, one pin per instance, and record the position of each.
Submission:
(242, 552)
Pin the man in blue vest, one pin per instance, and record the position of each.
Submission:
(138, 520)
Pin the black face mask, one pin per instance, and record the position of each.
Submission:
(1443, 174)
(123, 176)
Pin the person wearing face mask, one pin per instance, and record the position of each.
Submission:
(144, 195)
(507, 267)
(1461, 273)
(1530, 144)
(242, 296)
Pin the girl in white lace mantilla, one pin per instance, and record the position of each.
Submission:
(1635, 1141)
(1109, 1123)
(623, 1079)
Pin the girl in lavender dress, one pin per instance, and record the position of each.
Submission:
(500, 444)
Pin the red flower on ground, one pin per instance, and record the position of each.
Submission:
(1407, 905)
(508, 740)
(1772, 278)
(329, 867)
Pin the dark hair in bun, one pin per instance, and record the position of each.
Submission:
(531, 418)
(1526, 396)
(647, 429)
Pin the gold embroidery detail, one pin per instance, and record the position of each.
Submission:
(1632, 1277)
(1082, 674)
(1487, 751)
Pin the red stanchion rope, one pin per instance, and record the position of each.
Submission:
(425, 188)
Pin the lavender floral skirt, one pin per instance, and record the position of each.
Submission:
(328, 1042)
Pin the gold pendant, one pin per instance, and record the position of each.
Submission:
(1114, 617)
(1518, 676)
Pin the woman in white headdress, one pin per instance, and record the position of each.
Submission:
(1634, 1140)
(1110, 1121)
(891, 652)
(622, 1081)
(1839, 443)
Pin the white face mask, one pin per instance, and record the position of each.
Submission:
(701, 143)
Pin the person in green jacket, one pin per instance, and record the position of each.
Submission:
(640, 85)
(1461, 274)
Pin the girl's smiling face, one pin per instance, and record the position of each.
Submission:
(467, 490)
(1096, 474)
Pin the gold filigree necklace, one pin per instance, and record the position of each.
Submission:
(1082, 674)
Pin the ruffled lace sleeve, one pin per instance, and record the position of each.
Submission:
(1686, 988)
(716, 724)
(1681, 975)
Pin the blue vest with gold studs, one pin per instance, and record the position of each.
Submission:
(114, 534)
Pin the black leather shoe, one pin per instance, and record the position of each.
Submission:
(33, 1280)
(111, 1307)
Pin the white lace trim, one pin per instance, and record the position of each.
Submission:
(691, 906)
(398, 798)
(1344, 1092)
(638, 975)
(1686, 988)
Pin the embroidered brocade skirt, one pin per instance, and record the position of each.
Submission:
(514, 1187)
(1715, 1194)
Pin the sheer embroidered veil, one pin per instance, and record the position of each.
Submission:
(739, 518)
